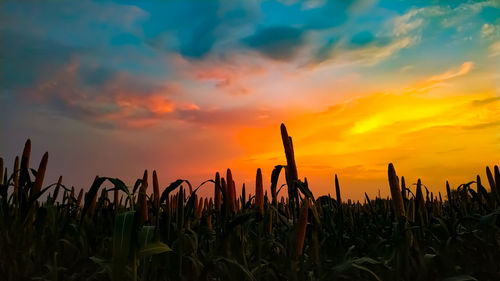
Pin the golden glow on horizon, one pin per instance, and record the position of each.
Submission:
(435, 136)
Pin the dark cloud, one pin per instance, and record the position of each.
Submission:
(188, 28)
(486, 101)
(362, 38)
(125, 39)
(325, 51)
(25, 58)
(277, 42)
(103, 97)
(367, 38)
(201, 39)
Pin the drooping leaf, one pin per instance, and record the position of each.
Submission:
(98, 181)
(170, 188)
(153, 248)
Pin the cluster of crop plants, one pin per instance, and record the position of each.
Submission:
(118, 232)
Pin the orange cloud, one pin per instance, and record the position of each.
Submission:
(439, 80)
(230, 74)
(464, 69)
(121, 100)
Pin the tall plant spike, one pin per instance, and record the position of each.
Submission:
(116, 200)
(289, 154)
(230, 191)
(156, 191)
(291, 169)
(217, 192)
(491, 180)
(16, 176)
(448, 191)
(142, 201)
(243, 195)
(25, 163)
(56, 190)
(403, 189)
(259, 192)
(233, 196)
(337, 190)
(225, 199)
(481, 190)
(40, 174)
(397, 198)
(419, 198)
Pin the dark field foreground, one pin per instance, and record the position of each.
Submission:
(115, 232)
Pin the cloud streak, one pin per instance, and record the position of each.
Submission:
(439, 80)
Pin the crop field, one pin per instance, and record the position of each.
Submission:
(147, 231)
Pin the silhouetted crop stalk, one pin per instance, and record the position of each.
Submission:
(291, 169)
(156, 192)
(403, 190)
(233, 197)
(142, 202)
(340, 211)
(116, 200)
(491, 182)
(199, 208)
(397, 199)
(230, 191)
(180, 223)
(300, 230)
(104, 196)
(16, 177)
(225, 198)
(483, 194)
(25, 162)
(217, 192)
(337, 192)
(56, 190)
(243, 196)
(40, 174)
(259, 192)
(419, 197)
(339, 200)
(448, 193)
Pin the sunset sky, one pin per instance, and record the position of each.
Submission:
(193, 87)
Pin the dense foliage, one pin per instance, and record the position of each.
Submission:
(51, 233)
